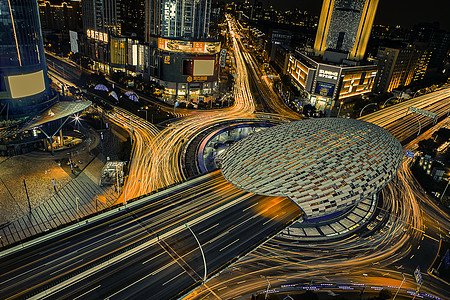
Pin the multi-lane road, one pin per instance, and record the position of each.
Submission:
(148, 250)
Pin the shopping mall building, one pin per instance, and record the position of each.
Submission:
(188, 69)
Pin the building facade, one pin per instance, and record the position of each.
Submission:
(24, 85)
(326, 84)
(63, 17)
(187, 69)
(397, 67)
(177, 18)
(182, 57)
(345, 26)
(323, 165)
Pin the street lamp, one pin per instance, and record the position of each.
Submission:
(442, 196)
(144, 110)
(364, 288)
(268, 286)
(418, 120)
(399, 287)
(360, 114)
(384, 104)
(127, 188)
(201, 250)
(339, 111)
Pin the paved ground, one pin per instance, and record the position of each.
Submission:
(38, 175)
(50, 207)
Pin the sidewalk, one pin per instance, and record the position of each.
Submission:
(61, 207)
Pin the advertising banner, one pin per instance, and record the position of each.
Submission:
(324, 89)
(189, 46)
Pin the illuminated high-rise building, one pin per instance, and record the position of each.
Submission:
(177, 18)
(345, 26)
(24, 85)
(397, 67)
(102, 16)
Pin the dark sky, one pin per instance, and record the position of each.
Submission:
(390, 12)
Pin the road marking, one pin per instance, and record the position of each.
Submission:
(21, 274)
(240, 282)
(132, 237)
(217, 237)
(250, 206)
(153, 258)
(426, 235)
(173, 278)
(73, 280)
(66, 267)
(229, 245)
(208, 229)
(411, 256)
(269, 220)
(418, 247)
(128, 286)
(162, 268)
(87, 292)
(221, 288)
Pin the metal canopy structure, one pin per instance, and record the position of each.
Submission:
(60, 110)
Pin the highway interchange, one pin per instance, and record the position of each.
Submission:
(149, 251)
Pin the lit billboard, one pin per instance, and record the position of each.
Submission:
(97, 35)
(188, 46)
(203, 67)
(26, 84)
(73, 41)
(324, 89)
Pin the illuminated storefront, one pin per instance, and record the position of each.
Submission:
(327, 84)
(187, 69)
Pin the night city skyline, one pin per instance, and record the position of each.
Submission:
(399, 12)
(198, 149)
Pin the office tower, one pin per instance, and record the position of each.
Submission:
(439, 45)
(101, 17)
(133, 18)
(62, 17)
(345, 26)
(24, 85)
(396, 67)
(177, 18)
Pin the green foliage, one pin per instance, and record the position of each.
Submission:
(428, 147)
(441, 136)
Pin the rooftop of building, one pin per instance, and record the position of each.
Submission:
(323, 165)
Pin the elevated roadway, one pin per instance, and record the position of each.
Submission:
(147, 250)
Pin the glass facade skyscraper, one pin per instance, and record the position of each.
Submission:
(24, 85)
(178, 18)
(345, 26)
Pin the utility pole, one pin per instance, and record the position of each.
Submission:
(26, 192)
(442, 196)
(78, 214)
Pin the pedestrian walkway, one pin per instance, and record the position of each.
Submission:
(78, 198)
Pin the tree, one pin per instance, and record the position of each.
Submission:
(441, 136)
(309, 110)
(428, 146)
